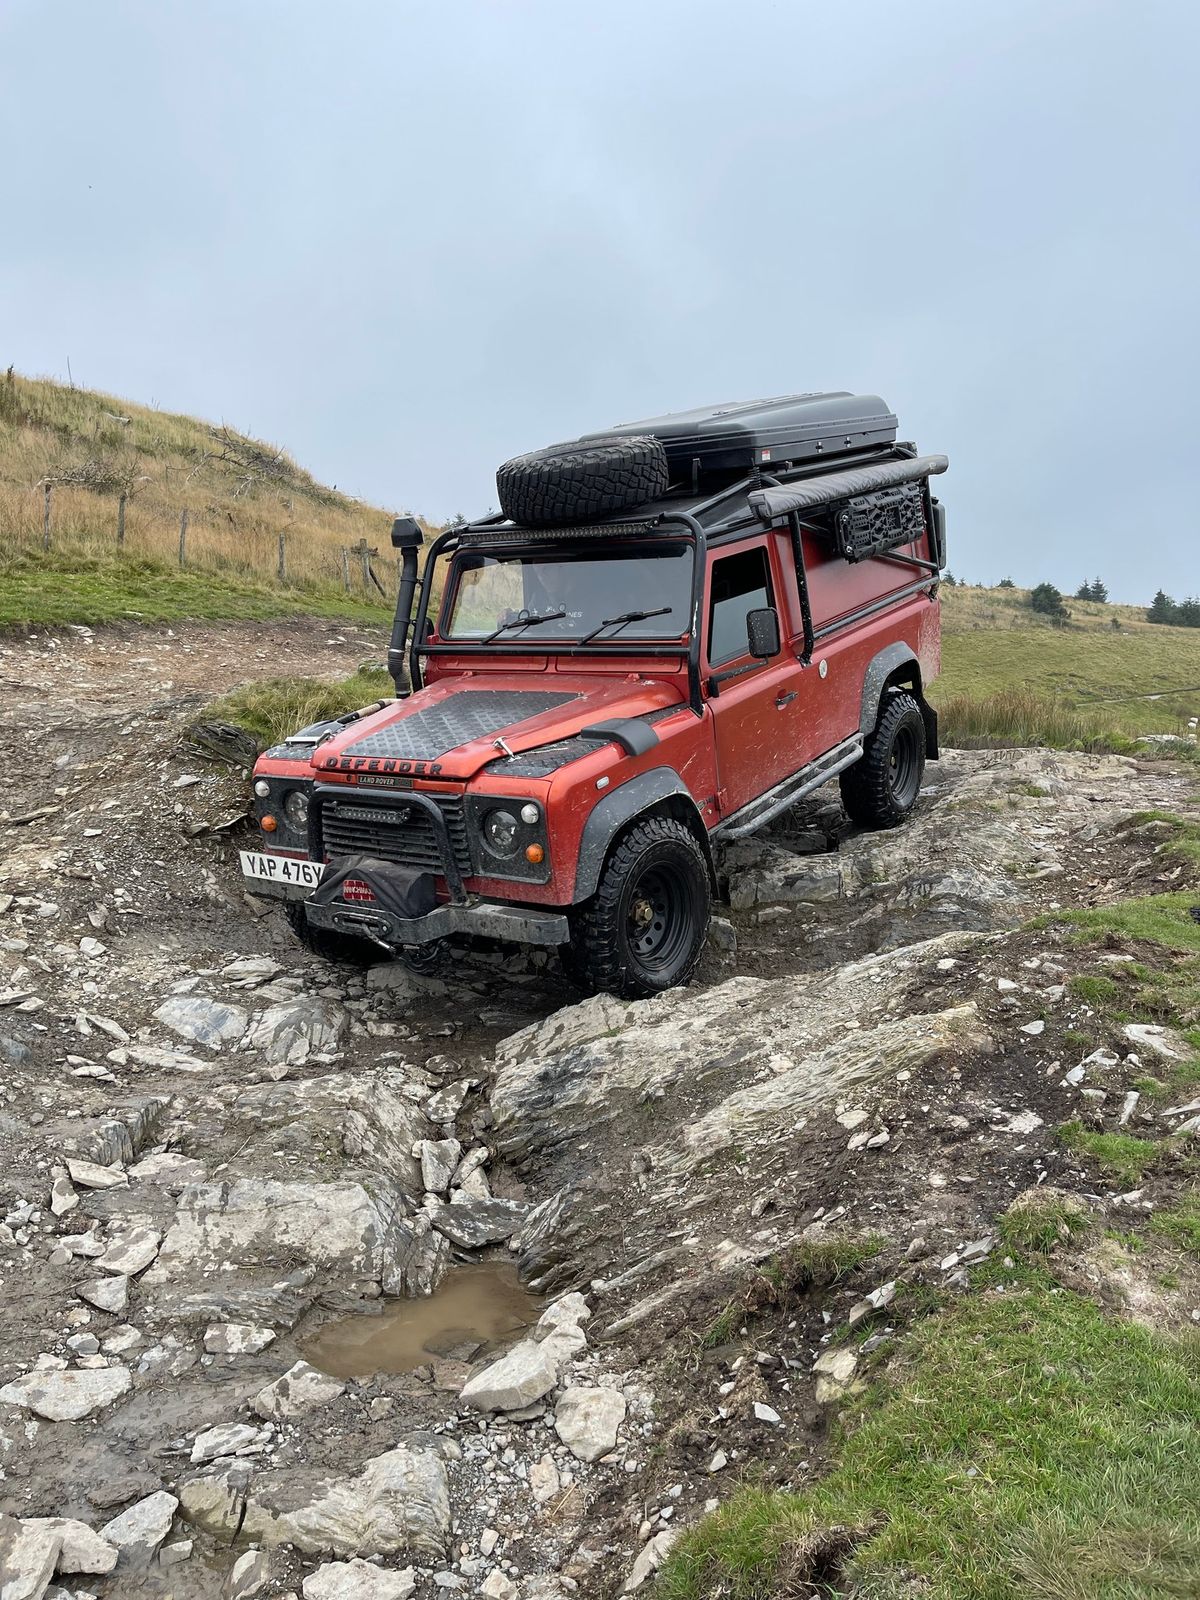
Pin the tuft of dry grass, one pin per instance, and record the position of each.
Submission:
(1020, 718)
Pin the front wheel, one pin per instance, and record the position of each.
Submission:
(882, 787)
(644, 929)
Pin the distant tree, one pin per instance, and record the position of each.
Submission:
(1006, 583)
(1084, 591)
(1047, 600)
(1187, 613)
(1100, 590)
(950, 580)
(1162, 608)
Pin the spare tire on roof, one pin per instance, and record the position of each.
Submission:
(574, 483)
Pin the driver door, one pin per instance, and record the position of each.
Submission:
(752, 727)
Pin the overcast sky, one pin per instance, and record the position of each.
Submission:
(410, 240)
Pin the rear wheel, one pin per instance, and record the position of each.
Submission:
(343, 948)
(882, 787)
(644, 929)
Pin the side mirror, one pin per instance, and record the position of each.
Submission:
(406, 534)
(762, 633)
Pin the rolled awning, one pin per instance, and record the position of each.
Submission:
(810, 493)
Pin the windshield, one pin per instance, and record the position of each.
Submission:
(544, 597)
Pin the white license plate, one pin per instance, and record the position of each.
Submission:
(281, 869)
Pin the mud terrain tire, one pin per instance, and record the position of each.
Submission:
(882, 787)
(342, 948)
(573, 483)
(644, 929)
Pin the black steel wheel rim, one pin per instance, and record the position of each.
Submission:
(904, 766)
(657, 922)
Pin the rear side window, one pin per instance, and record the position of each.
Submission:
(740, 583)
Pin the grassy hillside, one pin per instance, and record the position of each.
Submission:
(240, 496)
(1107, 666)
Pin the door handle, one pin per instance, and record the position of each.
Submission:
(782, 700)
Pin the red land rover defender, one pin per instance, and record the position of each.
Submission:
(672, 631)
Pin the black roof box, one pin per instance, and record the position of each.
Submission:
(749, 433)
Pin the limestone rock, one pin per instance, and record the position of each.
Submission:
(67, 1396)
(473, 1223)
(835, 1373)
(82, 1548)
(587, 1419)
(250, 1576)
(439, 1160)
(62, 1195)
(544, 1482)
(534, 1365)
(28, 1554)
(499, 1587)
(359, 1580)
(399, 1501)
(203, 1021)
(138, 1532)
(237, 1339)
(91, 1175)
(130, 1252)
(448, 1102)
(106, 1294)
(293, 1032)
(651, 1556)
(301, 1388)
(228, 1232)
(227, 1439)
(418, 1258)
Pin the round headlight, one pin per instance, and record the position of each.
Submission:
(262, 788)
(530, 813)
(500, 833)
(296, 806)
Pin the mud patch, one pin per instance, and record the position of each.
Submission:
(476, 1312)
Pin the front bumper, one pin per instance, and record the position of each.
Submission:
(516, 924)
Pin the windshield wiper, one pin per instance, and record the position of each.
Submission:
(524, 620)
(625, 617)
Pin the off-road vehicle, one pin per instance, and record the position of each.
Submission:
(672, 631)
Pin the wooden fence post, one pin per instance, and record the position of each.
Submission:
(46, 520)
(183, 528)
(283, 558)
(364, 556)
(121, 520)
(346, 568)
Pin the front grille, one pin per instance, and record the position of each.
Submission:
(402, 832)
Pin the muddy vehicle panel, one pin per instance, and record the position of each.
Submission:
(592, 704)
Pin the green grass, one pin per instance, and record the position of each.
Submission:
(275, 707)
(57, 589)
(1181, 1224)
(1025, 1445)
(1161, 919)
(1095, 989)
(992, 647)
(1039, 1225)
(806, 1266)
(1121, 1155)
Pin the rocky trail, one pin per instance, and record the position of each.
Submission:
(214, 1147)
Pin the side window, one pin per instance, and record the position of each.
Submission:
(740, 583)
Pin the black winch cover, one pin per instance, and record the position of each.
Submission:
(399, 891)
(749, 433)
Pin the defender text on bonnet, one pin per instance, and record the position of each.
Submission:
(671, 632)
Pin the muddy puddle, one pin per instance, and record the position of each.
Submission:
(477, 1311)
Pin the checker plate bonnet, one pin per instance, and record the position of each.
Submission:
(457, 720)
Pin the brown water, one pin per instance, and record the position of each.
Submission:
(475, 1310)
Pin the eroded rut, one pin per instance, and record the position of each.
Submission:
(216, 1149)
